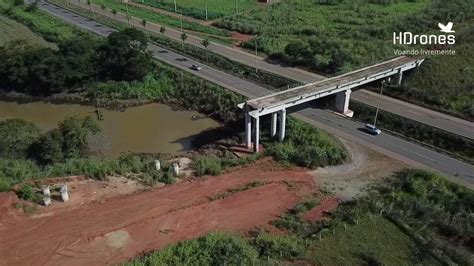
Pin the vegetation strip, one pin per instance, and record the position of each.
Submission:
(434, 138)
(231, 191)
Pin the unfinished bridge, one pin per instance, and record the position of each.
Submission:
(277, 103)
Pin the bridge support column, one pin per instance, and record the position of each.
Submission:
(257, 135)
(274, 124)
(248, 130)
(399, 77)
(281, 137)
(342, 103)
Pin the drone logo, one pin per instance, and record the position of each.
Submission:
(448, 28)
(408, 38)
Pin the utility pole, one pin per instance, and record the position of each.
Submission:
(256, 55)
(378, 104)
(128, 15)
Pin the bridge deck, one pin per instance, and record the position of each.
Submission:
(329, 84)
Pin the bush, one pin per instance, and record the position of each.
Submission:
(307, 146)
(279, 247)
(27, 192)
(16, 137)
(69, 140)
(207, 166)
(213, 249)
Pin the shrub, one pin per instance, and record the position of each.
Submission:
(16, 137)
(213, 249)
(27, 192)
(307, 146)
(207, 166)
(279, 247)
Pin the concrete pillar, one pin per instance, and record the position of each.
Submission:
(399, 77)
(274, 124)
(257, 134)
(248, 130)
(282, 124)
(342, 102)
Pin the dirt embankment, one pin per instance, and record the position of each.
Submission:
(117, 229)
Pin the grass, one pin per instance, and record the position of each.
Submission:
(207, 165)
(197, 8)
(50, 28)
(164, 20)
(350, 22)
(445, 83)
(334, 37)
(307, 146)
(373, 239)
(11, 30)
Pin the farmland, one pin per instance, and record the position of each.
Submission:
(197, 8)
(11, 30)
(158, 18)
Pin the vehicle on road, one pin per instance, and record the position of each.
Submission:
(195, 67)
(371, 129)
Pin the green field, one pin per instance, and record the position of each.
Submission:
(11, 30)
(197, 8)
(50, 28)
(374, 238)
(334, 37)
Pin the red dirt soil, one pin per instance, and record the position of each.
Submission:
(319, 212)
(121, 228)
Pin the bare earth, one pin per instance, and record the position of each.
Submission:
(110, 222)
(116, 229)
(349, 180)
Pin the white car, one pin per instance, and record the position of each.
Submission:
(372, 129)
(195, 67)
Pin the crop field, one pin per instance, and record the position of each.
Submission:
(334, 37)
(197, 8)
(308, 33)
(11, 30)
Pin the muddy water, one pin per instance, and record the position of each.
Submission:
(147, 128)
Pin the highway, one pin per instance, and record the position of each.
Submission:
(387, 144)
(404, 109)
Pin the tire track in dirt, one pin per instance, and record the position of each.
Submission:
(121, 228)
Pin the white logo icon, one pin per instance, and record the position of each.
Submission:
(448, 28)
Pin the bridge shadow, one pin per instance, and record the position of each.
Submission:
(218, 136)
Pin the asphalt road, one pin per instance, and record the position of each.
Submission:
(404, 109)
(392, 146)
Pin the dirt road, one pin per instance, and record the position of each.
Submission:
(120, 228)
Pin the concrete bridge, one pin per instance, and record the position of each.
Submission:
(277, 103)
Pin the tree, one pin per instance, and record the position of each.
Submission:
(49, 148)
(16, 138)
(18, 3)
(183, 38)
(162, 30)
(69, 140)
(124, 56)
(89, 3)
(114, 11)
(205, 43)
(76, 132)
(144, 23)
(32, 7)
(103, 7)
